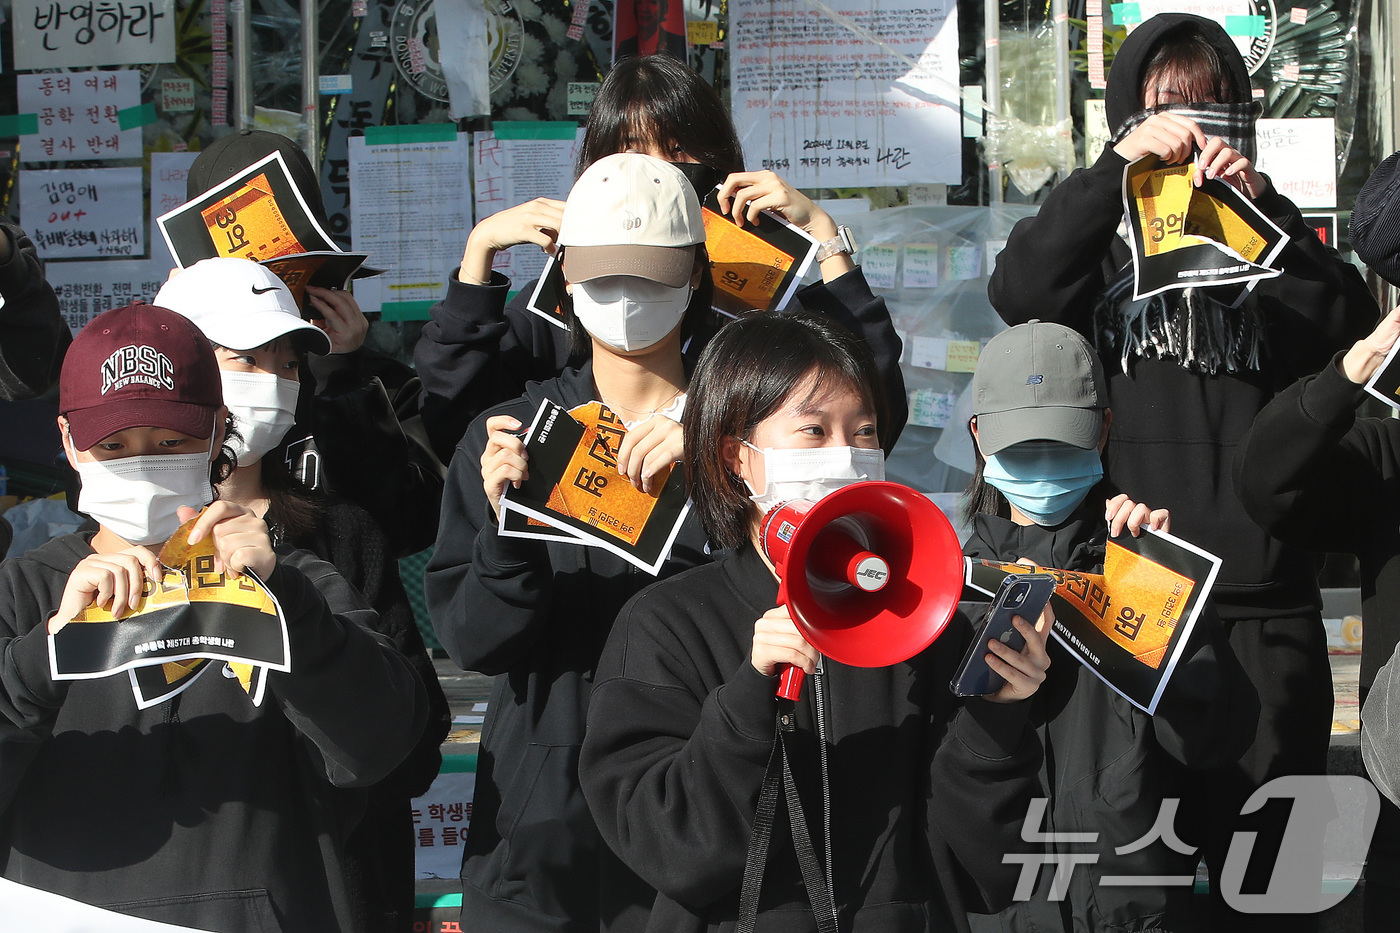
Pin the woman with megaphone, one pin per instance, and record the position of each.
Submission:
(908, 791)
(1112, 773)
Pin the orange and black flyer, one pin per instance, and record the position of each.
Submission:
(1183, 236)
(259, 214)
(1129, 624)
(756, 267)
(576, 491)
(193, 615)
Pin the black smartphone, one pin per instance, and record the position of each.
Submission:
(1020, 594)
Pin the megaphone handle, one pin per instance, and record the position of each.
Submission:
(790, 678)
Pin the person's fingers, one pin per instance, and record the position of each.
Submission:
(1161, 520)
(1138, 514)
(220, 510)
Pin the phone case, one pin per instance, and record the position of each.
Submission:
(1020, 594)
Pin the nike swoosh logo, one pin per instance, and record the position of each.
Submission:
(263, 291)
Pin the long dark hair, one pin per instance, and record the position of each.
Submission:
(745, 374)
(981, 497)
(657, 99)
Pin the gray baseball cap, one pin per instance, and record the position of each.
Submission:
(1038, 382)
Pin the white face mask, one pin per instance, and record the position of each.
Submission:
(138, 497)
(264, 407)
(627, 312)
(813, 472)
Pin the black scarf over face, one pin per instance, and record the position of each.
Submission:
(1189, 326)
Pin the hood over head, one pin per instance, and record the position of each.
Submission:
(1122, 98)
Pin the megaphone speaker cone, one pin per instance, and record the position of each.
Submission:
(872, 572)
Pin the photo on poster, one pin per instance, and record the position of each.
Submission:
(756, 267)
(257, 214)
(1130, 624)
(1183, 236)
(649, 27)
(574, 485)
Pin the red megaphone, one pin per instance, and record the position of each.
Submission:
(871, 573)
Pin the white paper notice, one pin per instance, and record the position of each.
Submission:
(169, 172)
(86, 289)
(1300, 158)
(464, 34)
(77, 115)
(929, 353)
(510, 170)
(410, 210)
(865, 94)
(82, 212)
(442, 816)
(82, 33)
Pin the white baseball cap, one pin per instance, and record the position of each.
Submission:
(631, 214)
(239, 304)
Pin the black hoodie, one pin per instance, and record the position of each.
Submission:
(1175, 430)
(927, 793)
(1108, 767)
(205, 810)
(536, 614)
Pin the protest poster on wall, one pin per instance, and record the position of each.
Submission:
(94, 115)
(411, 212)
(86, 289)
(83, 33)
(864, 95)
(80, 213)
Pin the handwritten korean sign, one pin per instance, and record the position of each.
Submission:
(81, 213)
(866, 97)
(79, 115)
(69, 33)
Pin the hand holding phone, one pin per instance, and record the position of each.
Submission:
(1020, 594)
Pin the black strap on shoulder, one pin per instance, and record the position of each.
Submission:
(779, 774)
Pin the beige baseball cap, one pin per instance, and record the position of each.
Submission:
(631, 214)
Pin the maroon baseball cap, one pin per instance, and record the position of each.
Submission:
(139, 366)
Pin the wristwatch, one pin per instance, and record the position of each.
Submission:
(843, 242)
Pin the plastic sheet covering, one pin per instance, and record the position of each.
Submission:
(931, 265)
(1024, 137)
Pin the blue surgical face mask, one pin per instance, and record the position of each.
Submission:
(1044, 480)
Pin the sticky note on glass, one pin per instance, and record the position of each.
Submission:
(929, 408)
(929, 353)
(920, 265)
(702, 31)
(879, 263)
(964, 262)
(962, 355)
(1126, 13)
(991, 249)
(1246, 26)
